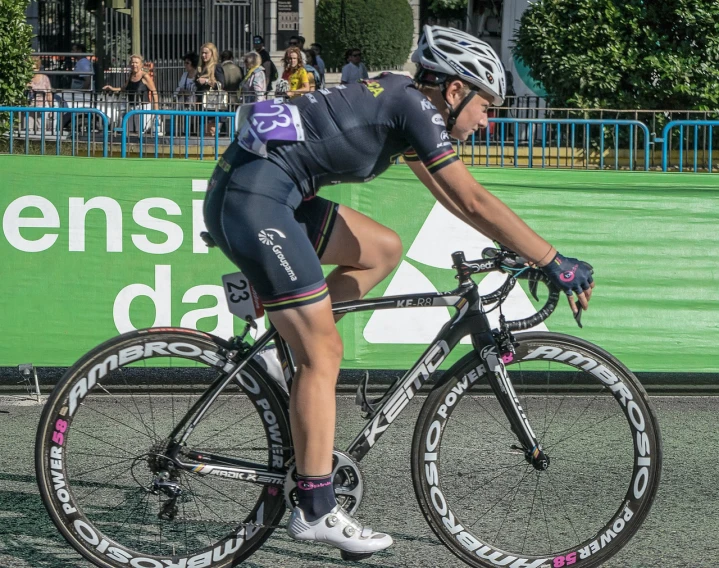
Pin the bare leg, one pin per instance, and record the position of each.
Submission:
(364, 251)
(317, 349)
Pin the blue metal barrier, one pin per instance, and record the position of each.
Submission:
(534, 132)
(186, 114)
(666, 139)
(48, 115)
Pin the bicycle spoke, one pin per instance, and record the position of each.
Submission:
(113, 419)
(492, 486)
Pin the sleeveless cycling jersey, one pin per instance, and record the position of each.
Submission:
(352, 133)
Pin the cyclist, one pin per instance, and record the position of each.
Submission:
(262, 210)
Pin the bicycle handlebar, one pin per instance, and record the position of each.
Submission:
(507, 261)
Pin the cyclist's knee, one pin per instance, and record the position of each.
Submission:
(385, 252)
(323, 354)
(391, 249)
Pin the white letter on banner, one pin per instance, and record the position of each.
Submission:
(11, 223)
(198, 225)
(113, 218)
(225, 320)
(141, 216)
(160, 297)
(198, 218)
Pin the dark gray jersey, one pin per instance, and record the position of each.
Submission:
(354, 132)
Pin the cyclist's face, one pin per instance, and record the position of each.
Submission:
(473, 116)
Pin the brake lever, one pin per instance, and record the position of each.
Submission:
(578, 316)
(533, 284)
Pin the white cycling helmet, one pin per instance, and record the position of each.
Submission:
(447, 51)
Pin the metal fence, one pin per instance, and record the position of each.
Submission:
(41, 126)
(560, 143)
(168, 30)
(108, 124)
(692, 143)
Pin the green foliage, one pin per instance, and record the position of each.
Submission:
(15, 50)
(382, 29)
(623, 53)
(447, 9)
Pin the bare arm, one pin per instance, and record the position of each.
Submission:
(150, 84)
(455, 188)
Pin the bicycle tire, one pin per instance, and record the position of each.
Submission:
(100, 439)
(562, 378)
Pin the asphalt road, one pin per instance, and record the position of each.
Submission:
(681, 530)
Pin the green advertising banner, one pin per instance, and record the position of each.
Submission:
(94, 247)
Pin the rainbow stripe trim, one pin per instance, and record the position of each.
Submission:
(438, 162)
(410, 156)
(297, 299)
(326, 222)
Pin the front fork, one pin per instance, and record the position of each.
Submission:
(495, 349)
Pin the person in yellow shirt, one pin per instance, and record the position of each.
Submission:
(294, 73)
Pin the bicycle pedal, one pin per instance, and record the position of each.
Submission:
(355, 556)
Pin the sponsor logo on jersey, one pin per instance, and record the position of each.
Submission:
(437, 119)
(374, 87)
(427, 105)
(444, 135)
(267, 236)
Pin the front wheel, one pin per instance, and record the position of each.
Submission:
(490, 506)
(104, 439)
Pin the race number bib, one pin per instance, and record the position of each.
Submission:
(241, 297)
(267, 121)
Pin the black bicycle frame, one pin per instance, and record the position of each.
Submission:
(469, 319)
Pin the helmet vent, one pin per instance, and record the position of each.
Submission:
(427, 54)
(451, 49)
(470, 67)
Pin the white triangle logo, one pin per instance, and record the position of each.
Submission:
(441, 235)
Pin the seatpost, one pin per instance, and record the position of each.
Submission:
(463, 273)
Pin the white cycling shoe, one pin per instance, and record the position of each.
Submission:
(338, 529)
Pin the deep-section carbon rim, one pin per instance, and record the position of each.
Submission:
(101, 441)
(488, 504)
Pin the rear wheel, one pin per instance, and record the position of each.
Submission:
(101, 454)
(490, 506)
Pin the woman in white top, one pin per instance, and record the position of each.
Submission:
(186, 87)
(254, 85)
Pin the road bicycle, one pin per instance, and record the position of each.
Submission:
(168, 447)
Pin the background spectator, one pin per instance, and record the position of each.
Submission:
(312, 72)
(295, 73)
(299, 41)
(233, 74)
(317, 48)
(40, 95)
(83, 64)
(40, 88)
(140, 87)
(271, 74)
(254, 85)
(354, 70)
(210, 76)
(186, 87)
